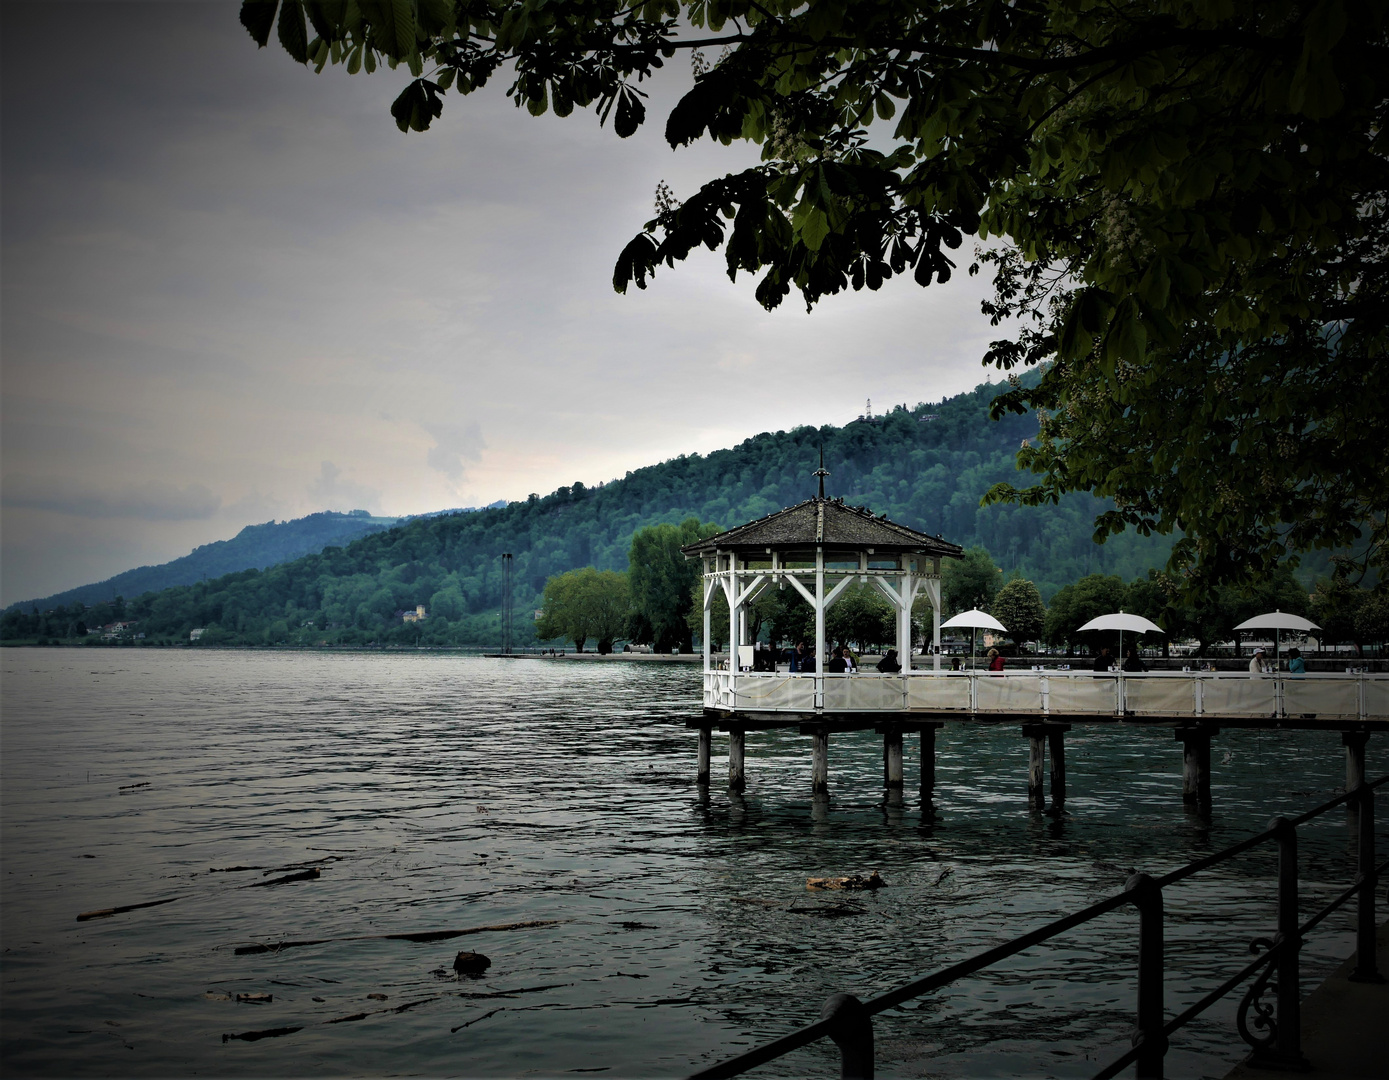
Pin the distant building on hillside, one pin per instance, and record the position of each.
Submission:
(418, 615)
(194, 635)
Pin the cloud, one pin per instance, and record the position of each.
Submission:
(332, 491)
(148, 500)
(453, 445)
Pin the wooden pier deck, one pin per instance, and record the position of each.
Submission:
(1045, 705)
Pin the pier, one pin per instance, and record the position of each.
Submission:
(821, 546)
(1045, 705)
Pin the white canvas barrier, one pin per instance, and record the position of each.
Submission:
(939, 693)
(863, 693)
(789, 692)
(1377, 698)
(1322, 698)
(1009, 694)
(1159, 696)
(1073, 695)
(1331, 697)
(1238, 695)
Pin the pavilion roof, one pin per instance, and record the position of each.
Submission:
(827, 522)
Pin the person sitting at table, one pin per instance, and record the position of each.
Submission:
(889, 664)
(1256, 662)
(995, 660)
(837, 664)
(1296, 665)
(850, 660)
(1132, 662)
(1104, 660)
(955, 663)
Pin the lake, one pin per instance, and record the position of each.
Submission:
(436, 793)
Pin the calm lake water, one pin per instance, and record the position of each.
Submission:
(443, 793)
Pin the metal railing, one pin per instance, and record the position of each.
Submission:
(1359, 697)
(1273, 1030)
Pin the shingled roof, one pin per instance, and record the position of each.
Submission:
(828, 522)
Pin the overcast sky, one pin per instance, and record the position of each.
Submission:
(234, 291)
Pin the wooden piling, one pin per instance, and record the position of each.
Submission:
(1056, 739)
(820, 761)
(736, 779)
(1036, 793)
(1354, 742)
(928, 769)
(706, 739)
(892, 758)
(1196, 764)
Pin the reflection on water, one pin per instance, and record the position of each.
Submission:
(442, 793)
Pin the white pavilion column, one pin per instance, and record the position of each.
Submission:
(819, 626)
(709, 584)
(731, 594)
(933, 594)
(906, 585)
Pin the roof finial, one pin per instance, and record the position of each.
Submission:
(821, 472)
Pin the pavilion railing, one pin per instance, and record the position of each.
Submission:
(1326, 696)
(1272, 1028)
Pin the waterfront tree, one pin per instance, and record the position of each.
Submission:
(583, 604)
(969, 582)
(662, 581)
(1019, 607)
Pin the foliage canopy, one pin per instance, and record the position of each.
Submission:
(1189, 199)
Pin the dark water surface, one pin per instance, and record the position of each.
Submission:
(440, 793)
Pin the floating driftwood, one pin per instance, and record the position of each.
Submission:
(231, 869)
(103, 913)
(853, 881)
(128, 787)
(268, 1033)
(307, 875)
(829, 911)
(256, 999)
(421, 937)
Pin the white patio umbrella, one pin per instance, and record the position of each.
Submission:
(1121, 621)
(974, 619)
(1278, 621)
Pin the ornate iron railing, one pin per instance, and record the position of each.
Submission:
(1272, 1029)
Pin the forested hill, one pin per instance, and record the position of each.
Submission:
(257, 546)
(925, 467)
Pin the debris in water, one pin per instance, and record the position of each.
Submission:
(376, 997)
(471, 963)
(268, 1033)
(635, 926)
(231, 869)
(945, 874)
(829, 911)
(307, 875)
(256, 999)
(419, 938)
(854, 881)
(217, 995)
(107, 912)
(319, 1000)
(470, 1023)
(131, 787)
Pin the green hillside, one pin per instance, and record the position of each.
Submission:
(925, 467)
